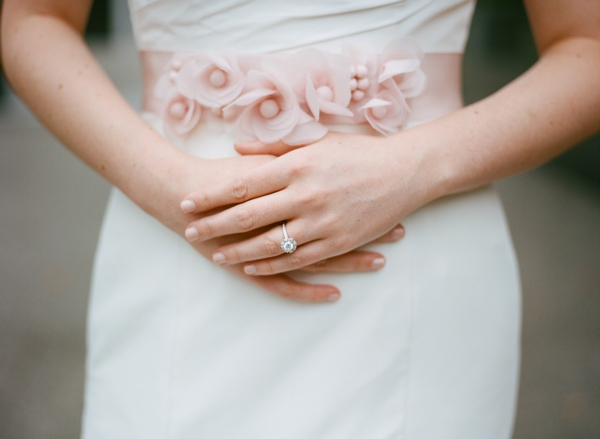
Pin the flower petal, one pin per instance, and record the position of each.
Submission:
(333, 108)
(251, 97)
(305, 133)
(311, 98)
(397, 67)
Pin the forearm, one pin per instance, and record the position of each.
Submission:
(548, 109)
(51, 68)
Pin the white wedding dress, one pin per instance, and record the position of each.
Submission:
(426, 348)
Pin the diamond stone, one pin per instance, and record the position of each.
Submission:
(288, 245)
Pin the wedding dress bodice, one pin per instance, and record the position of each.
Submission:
(285, 25)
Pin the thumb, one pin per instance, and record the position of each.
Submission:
(258, 147)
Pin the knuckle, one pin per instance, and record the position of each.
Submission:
(204, 201)
(233, 255)
(298, 166)
(239, 188)
(271, 247)
(323, 264)
(360, 262)
(305, 199)
(267, 268)
(244, 218)
(296, 261)
(204, 228)
(341, 243)
(288, 292)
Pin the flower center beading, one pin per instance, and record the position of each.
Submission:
(218, 78)
(269, 108)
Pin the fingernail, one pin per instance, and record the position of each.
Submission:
(333, 297)
(187, 206)
(377, 263)
(398, 233)
(219, 258)
(249, 269)
(192, 234)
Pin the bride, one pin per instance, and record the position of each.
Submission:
(281, 143)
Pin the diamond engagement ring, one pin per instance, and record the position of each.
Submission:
(288, 245)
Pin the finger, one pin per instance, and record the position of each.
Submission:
(396, 234)
(259, 181)
(305, 255)
(241, 218)
(283, 285)
(352, 262)
(258, 147)
(266, 245)
(291, 289)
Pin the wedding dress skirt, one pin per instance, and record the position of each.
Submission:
(427, 347)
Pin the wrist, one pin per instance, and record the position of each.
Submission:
(161, 176)
(422, 165)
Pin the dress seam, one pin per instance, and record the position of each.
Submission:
(173, 348)
(412, 307)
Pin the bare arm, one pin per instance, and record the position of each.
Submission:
(51, 68)
(545, 111)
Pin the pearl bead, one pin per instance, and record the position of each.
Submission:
(379, 112)
(325, 93)
(218, 78)
(172, 75)
(361, 71)
(176, 64)
(352, 72)
(269, 109)
(353, 84)
(178, 110)
(229, 114)
(363, 84)
(358, 95)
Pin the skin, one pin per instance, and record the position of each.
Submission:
(551, 107)
(49, 65)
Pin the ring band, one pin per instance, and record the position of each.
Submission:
(288, 245)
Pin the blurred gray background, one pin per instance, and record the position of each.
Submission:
(51, 210)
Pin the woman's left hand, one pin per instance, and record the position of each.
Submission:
(335, 195)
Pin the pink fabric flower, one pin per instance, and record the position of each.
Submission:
(321, 81)
(180, 114)
(270, 107)
(401, 61)
(387, 110)
(212, 80)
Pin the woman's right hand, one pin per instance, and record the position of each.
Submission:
(79, 104)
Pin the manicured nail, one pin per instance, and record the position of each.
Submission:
(398, 233)
(219, 258)
(377, 263)
(187, 206)
(249, 269)
(192, 234)
(333, 297)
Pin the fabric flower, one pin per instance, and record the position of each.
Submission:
(401, 61)
(321, 81)
(387, 110)
(181, 114)
(212, 80)
(270, 107)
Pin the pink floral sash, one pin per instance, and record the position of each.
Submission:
(290, 98)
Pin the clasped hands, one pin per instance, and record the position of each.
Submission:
(335, 195)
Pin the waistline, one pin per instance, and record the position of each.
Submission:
(296, 97)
